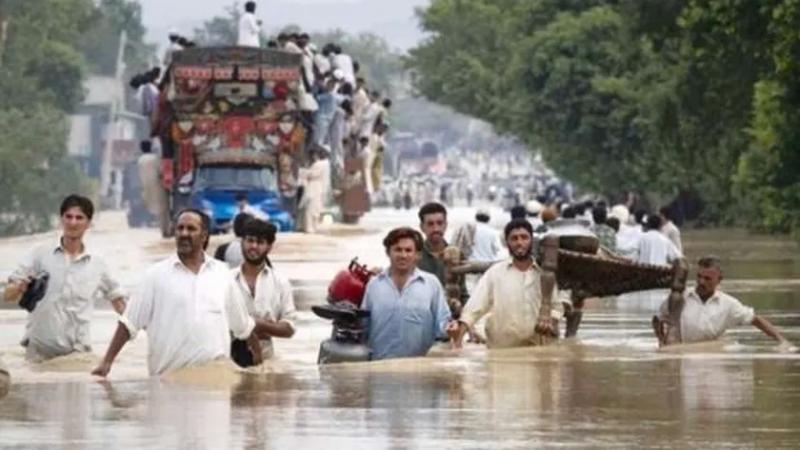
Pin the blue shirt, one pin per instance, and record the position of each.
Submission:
(404, 323)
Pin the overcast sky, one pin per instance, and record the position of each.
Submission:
(392, 19)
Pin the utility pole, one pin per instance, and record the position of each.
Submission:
(112, 129)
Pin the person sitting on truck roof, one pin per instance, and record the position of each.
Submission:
(249, 27)
(244, 207)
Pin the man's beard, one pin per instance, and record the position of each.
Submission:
(257, 261)
(522, 257)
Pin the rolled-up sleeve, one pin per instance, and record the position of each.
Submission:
(139, 311)
(239, 321)
(26, 268)
(109, 286)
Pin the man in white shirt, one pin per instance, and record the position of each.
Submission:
(511, 293)
(708, 312)
(249, 27)
(344, 62)
(59, 323)
(188, 304)
(174, 46)
(654, 247)
(268, 295)
(486, 244)
(669, 228)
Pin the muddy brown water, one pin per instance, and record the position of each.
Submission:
(610, 388)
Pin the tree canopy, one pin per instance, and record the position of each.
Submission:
(656, 96)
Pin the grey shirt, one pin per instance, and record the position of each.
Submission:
(60, 323)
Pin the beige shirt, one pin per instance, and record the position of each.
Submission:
(273, 300)
(708, 321)
(60, 324)
(512, 299)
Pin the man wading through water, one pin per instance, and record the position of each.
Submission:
(188, 304)
(267, 294)
(511, 291)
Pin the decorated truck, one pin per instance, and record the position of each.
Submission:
(229, 125)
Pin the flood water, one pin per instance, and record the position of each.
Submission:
(609, 388)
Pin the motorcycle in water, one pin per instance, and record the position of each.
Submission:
(348, 338)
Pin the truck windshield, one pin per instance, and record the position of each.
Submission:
(240, 178)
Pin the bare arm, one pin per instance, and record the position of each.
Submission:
(266, 328)
(768, 328)
(121, 336)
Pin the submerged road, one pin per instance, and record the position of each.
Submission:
(610, 388)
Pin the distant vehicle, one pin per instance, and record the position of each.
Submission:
(229, 123)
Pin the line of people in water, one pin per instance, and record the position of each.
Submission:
(196, 309)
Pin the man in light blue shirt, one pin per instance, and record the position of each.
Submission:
(407, 307)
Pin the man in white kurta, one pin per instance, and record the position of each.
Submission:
(249, 27)
(267, 294)
(510, 292)
(654, 246)
(317, 182)
(188, 304)
(186, 315)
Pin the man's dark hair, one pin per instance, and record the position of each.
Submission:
(283, 37)
(518, 212)
(250, 7)
(569, 213)
(73, 200)
(431, 208)
(146, 146)
(638, 215)
(259, 229)
(387, 103)
(240, 196)
(516, 224)
(613, 222)
(272, 44)
(654, 222)
(579, 208)
(666, 211)
(239, 223)
(205, 222)
(599, 215)
(397, 234)
(482, 217)
(204, 219)
(154, 74)
(305, 36)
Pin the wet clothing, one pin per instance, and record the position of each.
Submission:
(60, 324)
(188, 316)
(606, 236)
(673, 234)
(249, 31)
(404, 323)
(708, 321)
(273, 300)
(512, 299)
(655, 248)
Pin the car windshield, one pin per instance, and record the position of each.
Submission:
(260, 178)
